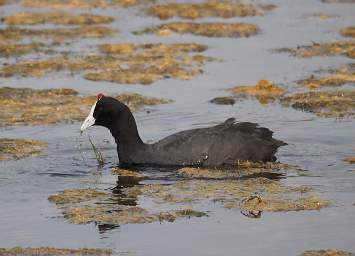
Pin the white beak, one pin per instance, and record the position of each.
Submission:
(89, 120)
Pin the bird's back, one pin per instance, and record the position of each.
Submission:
(223, 144)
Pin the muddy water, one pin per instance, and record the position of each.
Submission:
(317, 145)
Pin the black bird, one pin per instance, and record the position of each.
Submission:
(223, 144)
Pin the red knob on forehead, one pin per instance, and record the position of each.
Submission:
(99, 96)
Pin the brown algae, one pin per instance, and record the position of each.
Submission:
(348, 32)
(28, 18)
(242, 169)
(263, 91)
(205, 9)
(204, 29)
(350, 159)
(14, 33)
(346, 48)
(25, 106)
(122, 63)
(339, 1)
(321, 15)
(7, 49)
(323, 103)
(14, 149)
(81, 4)
(128, 173)
(82, 206)
(328, 252)
(51, 251)
(232, 194)
(335, 78)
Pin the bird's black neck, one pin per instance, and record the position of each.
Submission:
(124, 130)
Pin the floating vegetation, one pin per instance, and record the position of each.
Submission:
(14, 149)
(242, 169)
(259, 204)
(123, 63)
(338, 77)
(232, 194)
(323, 103)
(51, 251)
(348, 31)
(25, 106)
(328, 252)
(339, 1)
(77, 196)
(29, 18)
(204, 29)
(322, 49)
(7, 49)
(223, 100)
(128, 173)
(56, 34)
(206, 9)
(350, 159)
(82, 206)
(321, 15)
(263, 91)
(82, 4)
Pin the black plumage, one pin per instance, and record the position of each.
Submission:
(223, 144)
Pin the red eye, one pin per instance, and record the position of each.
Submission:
(99, 96)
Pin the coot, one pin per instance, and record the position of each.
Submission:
(223, 144)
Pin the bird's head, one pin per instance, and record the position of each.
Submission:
(101, 113)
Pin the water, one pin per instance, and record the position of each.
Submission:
(317, 145)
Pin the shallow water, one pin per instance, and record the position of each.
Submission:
(317, 145)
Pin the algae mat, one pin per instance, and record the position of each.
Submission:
(25, 106)
(14, 149)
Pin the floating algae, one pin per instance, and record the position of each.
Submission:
(51, 251)
(82, 206)
(7, 49)
(122, 63)
(339, 1)
(242, 169)
(82, 4)
(337, 77)
(350, 159)
(328, 252)
(204, 29)
(279, 205)
(348, 31)
(323, 103)
(29, 18)
(232, 194)
(346, 48)
(263, 91)
(321, 15)
(57, 34)
(223, 100)
(25, 106)
(206, 9)
(14, 149)
(127, 173)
